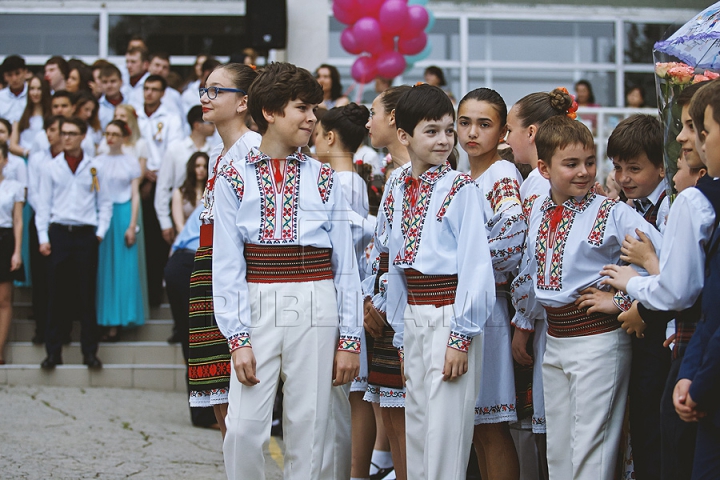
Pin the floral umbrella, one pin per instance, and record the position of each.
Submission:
(697, 43)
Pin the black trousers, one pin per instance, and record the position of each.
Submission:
(648, 376)
(72, 276)
(707, 452)
(39, 269)
(678, 437)
(178, 270)
(156, 249)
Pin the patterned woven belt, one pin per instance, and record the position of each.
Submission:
(206, 235)
(287, 264)
(570, 321)
(382, 269)
(436, 290)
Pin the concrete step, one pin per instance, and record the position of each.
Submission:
(152, 331)
(143, 376)
(23, 309)
(120, 353)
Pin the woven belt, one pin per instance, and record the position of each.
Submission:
(436, 290)
(570, 321)
(206, 235)
(382, 269)
(287, 264)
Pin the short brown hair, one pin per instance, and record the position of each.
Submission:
(81, 124)
(557, 133)
(701, 100)
(109, 70)
(636, 135)
(277, 85)
(144, 53)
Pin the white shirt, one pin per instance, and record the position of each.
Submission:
(444, 234)
(172, 175)
(354, 190)
(506, 226)
(588, 236)
(191, 96)
(313, 213)
(27, 136)
(67, 198)
(134, 95)
(37, 164)
(41, 143)
(534, 186)
(682, 258)
(16, 169)
(241, 148)
(370, 156)
(118, 172)
(12, 106)
(106, 111)
(159, 131)
(11, 192)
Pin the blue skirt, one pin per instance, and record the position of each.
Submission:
(120, 301)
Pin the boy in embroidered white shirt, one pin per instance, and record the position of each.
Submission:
(587, 360)
(440, 287)
(285, 276)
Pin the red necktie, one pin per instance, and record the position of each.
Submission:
(412, 186)
(277, 173)
(556, 216)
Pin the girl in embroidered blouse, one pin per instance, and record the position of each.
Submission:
(185, 198)
(481, 128)
(31, 121)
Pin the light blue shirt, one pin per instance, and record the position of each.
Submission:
(189, 237)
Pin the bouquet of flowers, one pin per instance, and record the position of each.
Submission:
(671, 78)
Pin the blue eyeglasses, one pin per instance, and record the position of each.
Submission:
(212, 92)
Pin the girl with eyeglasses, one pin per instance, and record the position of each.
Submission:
(120, 299)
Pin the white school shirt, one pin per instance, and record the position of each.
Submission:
(41, 143)
(444, 234)
(664, 204)
(310, 210)
(172, 175)
(370, 156)
(106, 111)
(134, 95)
(682, 257)
(67, 198)
(11, 192)
(37, 165)
(16, 169)
(159, 131)
(505, 224)
(27, 136)
(118, 172)
(588, 236)
(354, 190)
(12, 106)
(241, 148)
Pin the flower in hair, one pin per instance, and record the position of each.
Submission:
(418, 84)
(254, 67)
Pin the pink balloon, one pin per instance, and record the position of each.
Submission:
(390, 64)
(349, 42)
(368, 34)
(347, 5)
(370, 8)
(417, 20)
(364, 69)
(348, 17)
(412, 46)
(393, 15)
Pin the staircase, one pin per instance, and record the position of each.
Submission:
(143, 359)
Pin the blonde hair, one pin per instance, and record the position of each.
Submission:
(131, 122)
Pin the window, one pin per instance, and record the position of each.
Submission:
(31, 34)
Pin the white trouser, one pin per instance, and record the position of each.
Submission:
(337, 454)
(539, 340)
(586, 385)
(439, 416)
(294, 336)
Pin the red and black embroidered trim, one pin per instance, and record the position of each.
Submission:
(437, 290)
(570, 321)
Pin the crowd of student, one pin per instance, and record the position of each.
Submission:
(433, 311)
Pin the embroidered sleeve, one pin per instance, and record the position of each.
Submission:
(458, 341)
(349, 343)
(598, 231)
(460, 181)
(507, 227)
(504, 190)
(239, 340)
(232, 176)
(389, 206)
(622, 301)
(325, 181)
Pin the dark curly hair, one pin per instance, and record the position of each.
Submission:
(349, 124)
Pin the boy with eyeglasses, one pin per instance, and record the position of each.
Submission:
(73, 215)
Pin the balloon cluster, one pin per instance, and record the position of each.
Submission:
(391, 35)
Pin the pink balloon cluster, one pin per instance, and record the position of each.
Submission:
(383, 31)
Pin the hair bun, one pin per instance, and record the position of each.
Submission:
(561, 100)
(357, 114)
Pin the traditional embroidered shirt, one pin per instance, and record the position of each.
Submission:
(682, 257)
(69, 199)
(437, 227)
(308, 210)
(236, 153)
(505, 224)
(160, 130)
(568, 247)
(11, 192)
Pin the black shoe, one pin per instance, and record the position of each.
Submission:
(38, 339)
(92, 362)
(51, 362)
(174, 338)
(381, 473)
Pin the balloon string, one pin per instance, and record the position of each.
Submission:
(358, 96)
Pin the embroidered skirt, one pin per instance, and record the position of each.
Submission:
(209, 365)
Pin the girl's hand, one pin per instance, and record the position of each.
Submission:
(15, 262)
(618, 277)
(640, 252)
(519, 347)
(597, 301)
(130, 236)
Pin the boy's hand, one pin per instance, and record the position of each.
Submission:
(684, 404)
(519, 347)
(597, 301)
(618, 276)
(373, 321)
(456, 364)
(346, 366)
(632, 322)
(640, 252)
(243, 360)
(670, 340)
